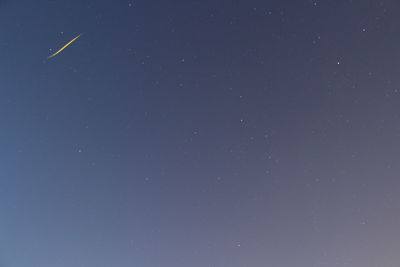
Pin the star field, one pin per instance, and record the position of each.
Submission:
(199, 133)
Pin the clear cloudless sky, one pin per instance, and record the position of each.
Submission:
(207, 133)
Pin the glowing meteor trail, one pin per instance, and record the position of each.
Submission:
(65, 46)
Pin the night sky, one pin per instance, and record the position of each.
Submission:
(212, 133)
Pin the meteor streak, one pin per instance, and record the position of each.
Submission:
(65, 46)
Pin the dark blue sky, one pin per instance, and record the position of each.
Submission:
(200, 133)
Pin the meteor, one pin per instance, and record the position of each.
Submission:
(65, 46)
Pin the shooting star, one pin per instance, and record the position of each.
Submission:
(65, 46)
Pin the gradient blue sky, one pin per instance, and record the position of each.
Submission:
(200, 133)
